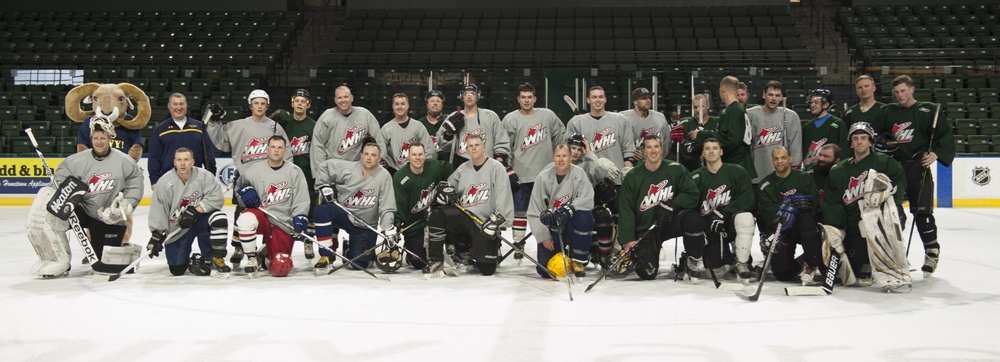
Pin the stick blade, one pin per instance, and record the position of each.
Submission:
(589, 287)
(732, 287)
(103, 278)
(748, 298)
(805, 291)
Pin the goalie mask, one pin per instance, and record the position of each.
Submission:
(389, 260)
(863, 127)
(102, 123)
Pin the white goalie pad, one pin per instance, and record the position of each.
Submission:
(116, 258)
(884, 235)
(47, 235)
(833, 242)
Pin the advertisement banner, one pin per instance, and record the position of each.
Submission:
(972, 182)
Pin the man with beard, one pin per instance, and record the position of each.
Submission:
(829, 155)
(644, 120)
(790, 197)
(433, 119)
(822, 130)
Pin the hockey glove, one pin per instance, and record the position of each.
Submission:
(562, 215)
(119, 210)
(213, 111)
(605, 193)
(515, 182)
(886, 143)
(767, 241)
(493, 224)
(328, 193)
(547, 218)
(446, 193)
(155, 245)
(300, 222)
(613, 171)
(454, 123)
(677, 134)
(786, 216)
(67, 196)
(248, 195)
(668, 208)
(281, 116)
(717, 223)
(189, 217)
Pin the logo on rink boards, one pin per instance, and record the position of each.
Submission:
(981, 176)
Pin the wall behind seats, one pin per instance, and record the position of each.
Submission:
(132, 5)
(474, 4)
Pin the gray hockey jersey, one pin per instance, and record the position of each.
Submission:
(341, 137)
(395, 142)
(105, 178)
(532, 138)
(486, 123)
(246, 139)
(654, 123)
(283, 192)
(610, 137)
(172, 196)
(485, 190)
(781, 128)
(369, 198)
(595, 172)
(575, 190)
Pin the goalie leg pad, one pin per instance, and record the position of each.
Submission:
(47, 235)
(116, 258)
(886, 248)
(744, 224)
(833, 242)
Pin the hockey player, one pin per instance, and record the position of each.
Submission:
(432, 121)
(644, 120)
(726, 199)
(867, 108)
(173, 133)
(604, 194)
(690, 151)
(609, 134)
(415, 187)
(473, 120)
(111, 186)
(657, 203)
(773, 126)
(123, 139)
(822, 130)
(560, 208)
(340, 132)
(790, 197)
(480, 188)
(397, 135)
(189, 198)
(845, 190)
(247, 140)
(734, 132)
(533, 132)
(743, 96)
(920, 144)
(279, 187)
(300, 127)
(829, 155)
(354, 194)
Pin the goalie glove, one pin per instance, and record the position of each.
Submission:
(213, 111)
(613, 171)
(446, 193)
(119, 210)
(328, 193)
(493, 224)
(67, 196)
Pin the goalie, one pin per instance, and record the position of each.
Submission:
(863, 214)
(97, 190)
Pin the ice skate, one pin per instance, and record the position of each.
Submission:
(743, 273)
(220, 269)
(434, 270)
(810, 275)
(251, 268)
(930, 261)
(199, 266)
(322, 266)
(692, 270)
(308, 249)
(237, 257)
(578, 269)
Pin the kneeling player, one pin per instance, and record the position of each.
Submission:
(189, 198)
(602, 173)
(560, 207)
(354, 194)
(283, 193)
(657, 202)
(414, 186)
(791, 195)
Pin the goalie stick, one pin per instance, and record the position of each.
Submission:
(275, 220)
(827, 288)
(767, 266)
(503, 239)
(923, 176)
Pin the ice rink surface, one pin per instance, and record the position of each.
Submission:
(511, 316)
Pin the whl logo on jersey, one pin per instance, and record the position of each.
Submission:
(352, 138)
(255, 150)
(560, 201)
(656, 194)
(465, 141)
(901, 132)
(299, 145)
(362, 199)
(477, 194)
(185, 202)
(855, 188)
(786, 193)
(604, 139)
(812, 154)
(768, 137)
(719, 197)
(100, 184)
(426, 196)
(404, 152)
(276, 194)
(642, 134)
(536, 135)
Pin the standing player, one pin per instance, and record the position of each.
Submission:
(726, 200)
(300, 129)
(608, 134)
(773, 127)
(867, 108)
(174, 133)
(280, 188)
(560, 207)
(743, 96)
(790, 196)
(921, 144)
(415, 189)
(658, 203)
(340, 132)
(645, 121)
(189, 198)
(690, 153)
(432, 121)
(482, 189)
(822, 130)
(473, 120)
(247, 139)
(734, 132)
(605, 194)
(533, 132)
(396, 136)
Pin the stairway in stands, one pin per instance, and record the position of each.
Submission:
(815, 21)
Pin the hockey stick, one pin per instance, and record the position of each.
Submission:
(827, 288)
(628, 254)
(275, 220)
(923, 176)
(372, 228)
(498, 236)
(571, 103)
(715, 279)
(511, 251)
(767, 266)
(569, 279)
(101, 278)
(74, 221)
(366, 252)
(454, 139)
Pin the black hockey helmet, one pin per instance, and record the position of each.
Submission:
(301, 92)
(434, 93)
(469, 87)
(690, 150)
(825, 94)
(575, 139)
(389, 260)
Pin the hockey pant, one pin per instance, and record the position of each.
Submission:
(923, 212)
(210, 229)
(447, 225)
(575, 236)
(329, 219)
(604, 227)
(413, 240)
(806, 233)
(684, 223)
(253, 222)
(739, 230)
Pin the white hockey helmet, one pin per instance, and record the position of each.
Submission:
(258, 93)
(863, 127)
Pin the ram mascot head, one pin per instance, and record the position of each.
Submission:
(111, 100)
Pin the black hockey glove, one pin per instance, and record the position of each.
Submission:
(446, 193)
(189, 217)
(213, 111)
(605, 193)
(886, 143)
(562, 215)
(717, 222)
(668, 209)
(454, 123)
(155, 245)
(768, 240)
(328, 193)
(281, 116)
(493, 224)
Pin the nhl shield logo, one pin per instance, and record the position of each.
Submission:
(981, 176)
